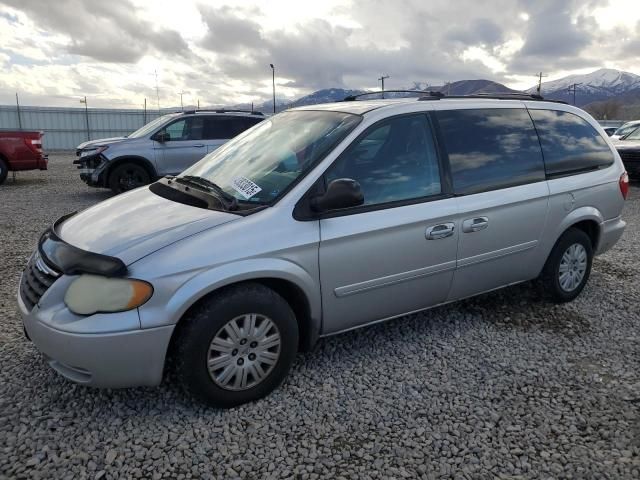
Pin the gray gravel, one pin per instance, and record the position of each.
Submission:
(498, 386)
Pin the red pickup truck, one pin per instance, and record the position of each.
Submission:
(20, 150)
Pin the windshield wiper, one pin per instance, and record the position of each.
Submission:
(229, 201)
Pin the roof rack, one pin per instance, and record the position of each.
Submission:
(493, 96)
(225, 110)
(352, 98)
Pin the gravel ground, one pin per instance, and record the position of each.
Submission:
(498, 386)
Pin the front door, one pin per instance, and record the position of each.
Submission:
(184, 147)
(397, 252)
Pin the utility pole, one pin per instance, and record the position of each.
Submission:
(181, 104)
(382, 77)
(273, 80)
(86, 115)
(572, 89)
(144, 118)
(198, 104)
(157, 91)
(540, 75)
(18, 109)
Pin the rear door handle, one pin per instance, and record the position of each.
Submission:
(442, 230)
(475, 224)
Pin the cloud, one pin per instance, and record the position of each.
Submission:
(105, 31)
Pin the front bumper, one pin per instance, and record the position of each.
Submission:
(110, 359)
(92, 169)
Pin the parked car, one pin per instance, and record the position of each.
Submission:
(19, 151)
(320, 220)
(166, 146)
(629, 149)
(625, 129)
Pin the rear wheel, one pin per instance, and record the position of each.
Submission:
(568, 267)
(4, 171)
(237, 346)
(128, 176)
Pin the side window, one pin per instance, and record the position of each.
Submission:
(395, 160)
(221, 128)
(185, 129)
(491, 148)
(569, 143)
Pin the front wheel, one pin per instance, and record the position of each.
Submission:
(237, 346)
(568, 267)
(128, 176)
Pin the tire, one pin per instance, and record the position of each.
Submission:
(573, 253)
(212, 320)
(128, 176)
(4, 171)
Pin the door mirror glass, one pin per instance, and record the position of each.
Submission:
(341, 193)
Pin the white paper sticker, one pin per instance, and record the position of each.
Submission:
(245, 187)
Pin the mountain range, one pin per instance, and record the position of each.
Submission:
(607, 93)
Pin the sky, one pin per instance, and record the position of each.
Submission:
(117, 52)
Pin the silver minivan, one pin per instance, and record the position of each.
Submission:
(319, 220)
(165, 146)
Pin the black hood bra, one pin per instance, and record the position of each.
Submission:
(70, 260)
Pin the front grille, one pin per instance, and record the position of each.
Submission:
(36, 279)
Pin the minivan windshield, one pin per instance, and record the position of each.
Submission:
(626, 129)
(261, 163)
(151, 126)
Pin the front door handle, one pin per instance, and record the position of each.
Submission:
(475, 224)
(200, 145)
(437, 232)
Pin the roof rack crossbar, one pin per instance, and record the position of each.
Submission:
(224, 110)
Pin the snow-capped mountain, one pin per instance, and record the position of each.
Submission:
(600, 85)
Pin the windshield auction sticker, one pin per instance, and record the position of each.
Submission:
(245, 187)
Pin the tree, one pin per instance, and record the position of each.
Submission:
(605, 110)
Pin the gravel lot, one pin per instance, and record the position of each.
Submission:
(498, 386)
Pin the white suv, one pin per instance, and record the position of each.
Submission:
(166, 146)
(319, 220)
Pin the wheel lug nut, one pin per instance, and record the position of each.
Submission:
(243, 341)
(234, 352)
(252, 356)
(253, 344)
(240, 361)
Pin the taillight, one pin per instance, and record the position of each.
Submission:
(35, 145)
(624, 185)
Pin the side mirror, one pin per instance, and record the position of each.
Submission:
(162, 136)
(341, 193)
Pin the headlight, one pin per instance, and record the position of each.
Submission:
(89, 294)
(93, 151)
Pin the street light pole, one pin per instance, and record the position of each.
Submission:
(86, 114)
(273, 81)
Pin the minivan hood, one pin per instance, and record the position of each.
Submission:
(135, 224)
(100, 142)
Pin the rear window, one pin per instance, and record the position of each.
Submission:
(569, 143)
(490, 149)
